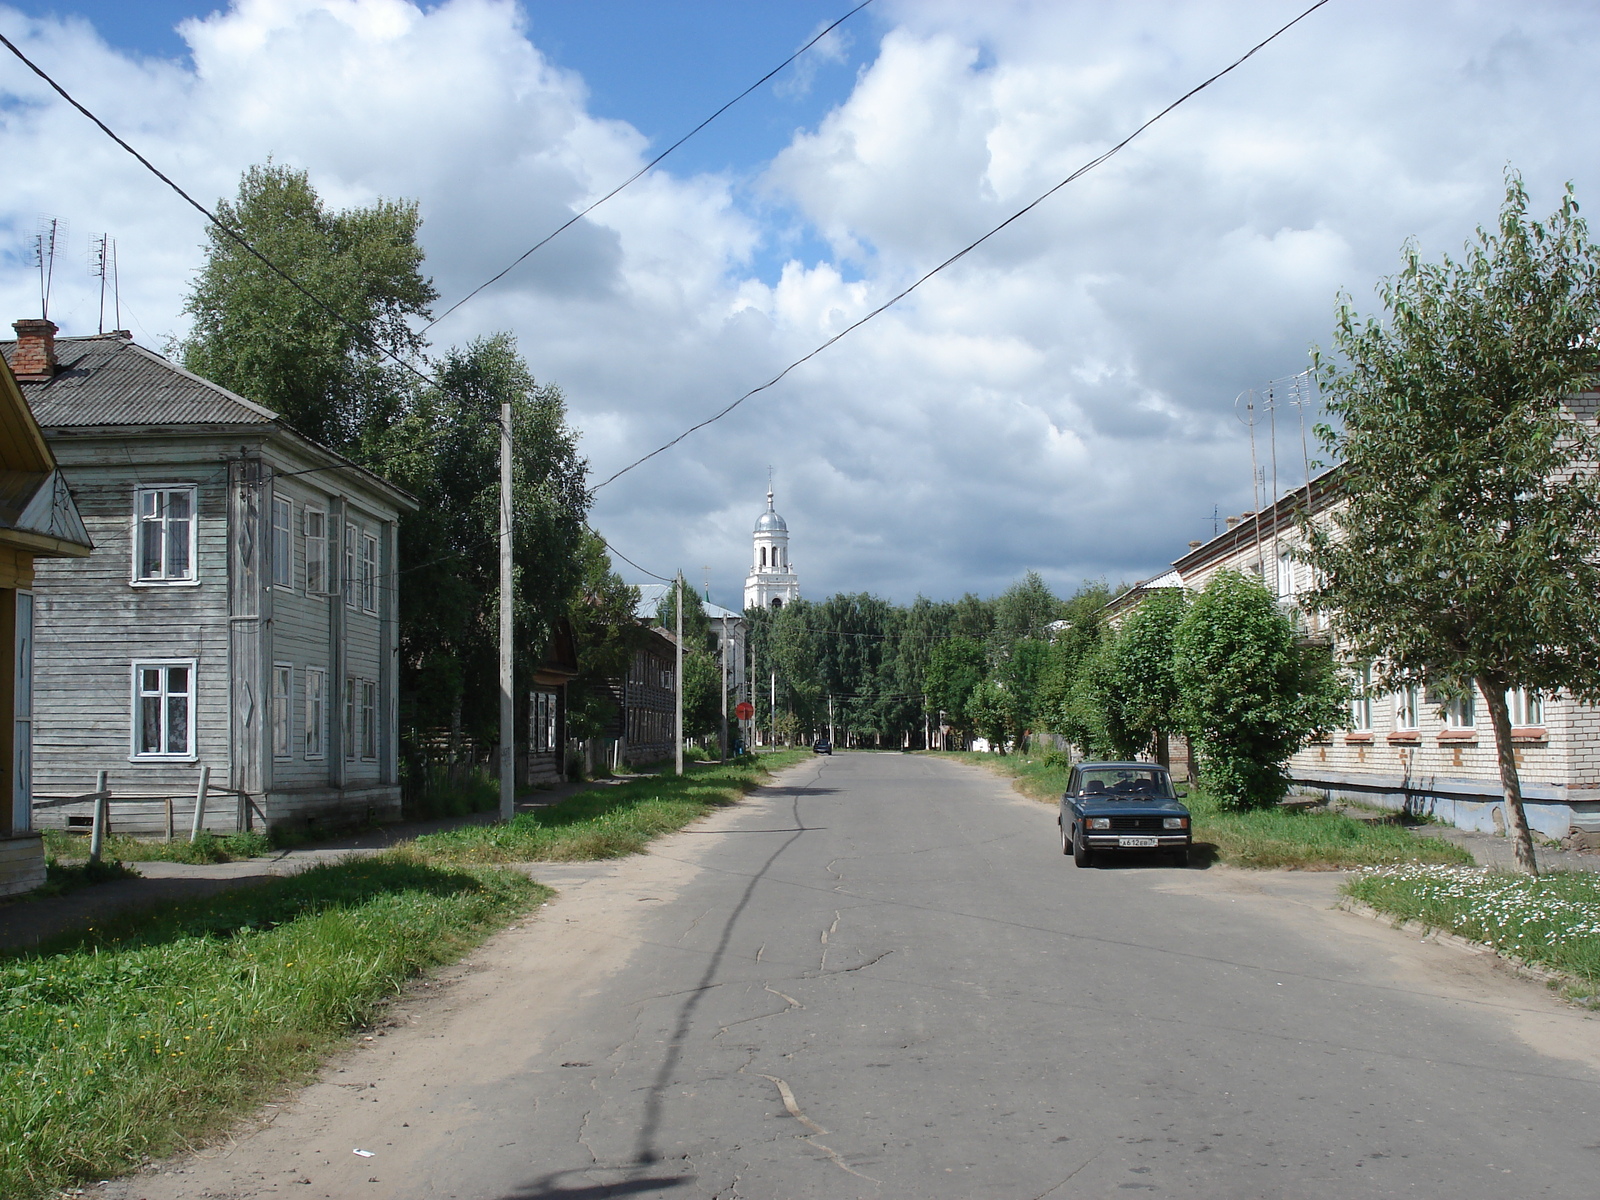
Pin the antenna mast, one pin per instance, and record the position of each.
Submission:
(51, 233)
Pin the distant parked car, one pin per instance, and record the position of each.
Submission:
(1113, 806)
(823, 746)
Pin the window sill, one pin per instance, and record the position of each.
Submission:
(1531, 733)
(1458, 736)
(163, 583)
(1405, 739)
(1359, 739)
(163, 758)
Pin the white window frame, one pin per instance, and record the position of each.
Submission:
(282, 710)
(1406, 717)
(316, 714)
(1361, 701)
(1526, 708)
(136, 724)
(283, 542)
(369, 720)
(316, 550)
(351, 533)
(1461, 713)
(350, 683)
(369, 573)
(192, 576)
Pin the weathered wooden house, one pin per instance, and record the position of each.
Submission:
(37, 520)
(239, 609)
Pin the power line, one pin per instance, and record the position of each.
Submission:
(964, 251)
(642, 171)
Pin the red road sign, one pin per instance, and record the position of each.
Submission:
(744, 710)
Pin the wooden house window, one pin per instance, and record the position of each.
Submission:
(542, 713)
(350, 718)
(164, 535)
(350, 535)
(316, 550)
(369, 719)
(316, 712)
(163, 710)
(282, 685)
(369, 573)
(282, 543)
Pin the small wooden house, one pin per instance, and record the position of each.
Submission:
(37, 520)
(238, 612)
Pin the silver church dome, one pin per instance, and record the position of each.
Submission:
(769, 521)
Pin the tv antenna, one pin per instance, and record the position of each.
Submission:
(51, 234)
(103, 266)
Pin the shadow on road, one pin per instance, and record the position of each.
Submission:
(549, 1187)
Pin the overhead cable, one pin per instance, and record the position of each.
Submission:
(642, 171)
(965, 250)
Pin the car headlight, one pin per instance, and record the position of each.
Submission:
(1174, 822)
(1098, 822)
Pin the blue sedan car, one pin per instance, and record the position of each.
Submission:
(1111, 806)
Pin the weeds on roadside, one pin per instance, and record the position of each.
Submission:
(1552, 920)
(207, 847)
(605, 822)
(159, 1027)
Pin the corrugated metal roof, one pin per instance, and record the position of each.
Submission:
(107, 380)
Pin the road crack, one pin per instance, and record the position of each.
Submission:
(793, 1107)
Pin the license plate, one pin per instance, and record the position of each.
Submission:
(1138, 843)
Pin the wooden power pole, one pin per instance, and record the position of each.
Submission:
(508, 735)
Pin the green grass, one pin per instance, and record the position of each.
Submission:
(120, 847)
(1275, 837)
(138, 1037)
(606, 822)
(1552, 920)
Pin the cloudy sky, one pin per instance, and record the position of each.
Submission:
(1063, 400)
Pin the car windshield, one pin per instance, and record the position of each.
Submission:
(1125, 781)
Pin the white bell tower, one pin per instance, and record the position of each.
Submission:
(772, 582)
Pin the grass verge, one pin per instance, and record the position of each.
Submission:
(606, 822)
(208, 847)
(1274, 837)
(136, 1038)
(1551, 920)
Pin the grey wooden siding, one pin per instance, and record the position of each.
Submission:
(92, 625)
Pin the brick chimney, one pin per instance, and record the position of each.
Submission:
(34, 359)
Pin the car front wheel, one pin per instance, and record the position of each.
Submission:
(1081, 854)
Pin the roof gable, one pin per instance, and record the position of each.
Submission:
(108, 380)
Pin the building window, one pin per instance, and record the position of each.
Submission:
(282, 543)
(316, 712)
(316, 550)
(164, 539)
(1286, 588)
(542, 711)
(1405, 708)
(1361, 701)
(369, 719)
(1461, 712)
(350, 535)
(1527, 708)
(282, 681)
(163, 710)
(369, 573)
(349, 718)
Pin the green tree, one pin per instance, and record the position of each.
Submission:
(601, 613)
(1250, 694)
(955, 669)
(1143, 655)
(319, 362)
(1464, 550)
(445, 450)
(992, 708)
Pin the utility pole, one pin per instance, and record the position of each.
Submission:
(772, 708)
(508, 734)
(830, 718)
(677, 700)
(722, 746)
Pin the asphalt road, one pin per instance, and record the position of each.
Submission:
(883, 979)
